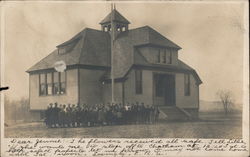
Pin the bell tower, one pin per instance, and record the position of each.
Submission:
(120, 23)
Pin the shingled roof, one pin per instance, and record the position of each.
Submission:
(117, 17)
(127, 41)
(92, 47)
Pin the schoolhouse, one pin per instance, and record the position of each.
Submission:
(141, 64)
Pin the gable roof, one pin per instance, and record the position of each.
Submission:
(117, 18)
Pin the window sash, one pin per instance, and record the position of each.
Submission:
(42, 78)
(56, 88)
(54, 83)
(62, 88)
(187, 84)
(42, 89)
(49, 89)
(138, 81)
(56, 77)
(170, 57)
(159, 56)
(164, 56)
(62, 76)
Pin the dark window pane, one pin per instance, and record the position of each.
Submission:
(63, 88)
(164, 56)
(187, 84)
(56, 89)
(159, 83)
(170, 58)
(138, 81)
(159, 56)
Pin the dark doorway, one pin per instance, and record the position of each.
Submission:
(164, 89)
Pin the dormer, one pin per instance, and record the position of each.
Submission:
(69, 45)
(120, 23)
(160, 55)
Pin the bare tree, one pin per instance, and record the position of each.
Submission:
(226, 98)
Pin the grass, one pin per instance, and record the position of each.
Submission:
(226, 128)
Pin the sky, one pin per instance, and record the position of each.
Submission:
(210, 34)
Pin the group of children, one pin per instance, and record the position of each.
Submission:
(95, 115)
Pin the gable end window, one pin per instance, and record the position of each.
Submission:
(164, 56)
(53, 83)
(187, 84)
(138, 81)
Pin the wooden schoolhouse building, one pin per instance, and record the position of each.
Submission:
(141, 64)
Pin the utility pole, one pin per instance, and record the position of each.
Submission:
(112, 54)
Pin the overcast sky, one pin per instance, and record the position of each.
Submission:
(210, 34)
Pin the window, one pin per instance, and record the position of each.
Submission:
(187, 84)
(61, 50)
(138, 81)
(159, 83)
(159, 56)
(62, 82)
(56, 89)
(42, 84)
(169, 58)
(49, 83)
(164, 56)
(52, 83)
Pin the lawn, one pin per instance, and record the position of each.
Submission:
(209, 128)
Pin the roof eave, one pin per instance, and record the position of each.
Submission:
(158, 45)
(102, 23)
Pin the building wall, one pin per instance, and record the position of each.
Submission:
(151, 54)
(92, 91)
(90, 86)
(183, 101)
(147, 93)
(148, 97)
(41, 102)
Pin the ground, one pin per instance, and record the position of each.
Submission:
(209, 126)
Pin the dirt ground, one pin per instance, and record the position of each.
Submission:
(208, 126)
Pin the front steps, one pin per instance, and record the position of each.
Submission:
(174, 113)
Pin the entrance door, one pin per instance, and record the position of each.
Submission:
(164, 89)
(169, 90)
